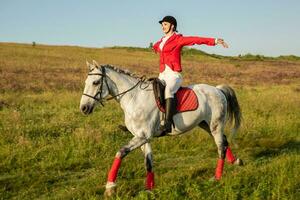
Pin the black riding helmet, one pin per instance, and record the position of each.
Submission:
(171, 20)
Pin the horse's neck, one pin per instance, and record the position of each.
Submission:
(135, 102)
(122, 83)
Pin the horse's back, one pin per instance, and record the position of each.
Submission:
(210, 101)
(205, 92)
(185, 121)
(212, 98)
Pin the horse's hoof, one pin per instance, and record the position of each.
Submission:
(213, 179)
(110, 192)
(148, 191)
(239, 162)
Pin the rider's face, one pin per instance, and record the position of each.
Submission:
(166, 27)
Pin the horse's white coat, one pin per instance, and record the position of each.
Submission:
(142, 117)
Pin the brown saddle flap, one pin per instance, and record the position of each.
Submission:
(159, 91)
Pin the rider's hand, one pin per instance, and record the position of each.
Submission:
(221, 41)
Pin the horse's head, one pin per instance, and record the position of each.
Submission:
(96, 88)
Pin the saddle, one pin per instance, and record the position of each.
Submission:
(186, 99)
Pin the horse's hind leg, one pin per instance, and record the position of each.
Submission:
(224, 151)
(229, 155)
(217, 130)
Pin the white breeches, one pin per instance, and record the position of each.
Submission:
(172, 80)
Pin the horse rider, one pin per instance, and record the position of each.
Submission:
(169, 47)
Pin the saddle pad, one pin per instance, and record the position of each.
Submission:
(186, 100)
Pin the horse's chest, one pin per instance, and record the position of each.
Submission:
(139, 120)
(134, 116)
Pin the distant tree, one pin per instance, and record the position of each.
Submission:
(33, 43)
(151, 45)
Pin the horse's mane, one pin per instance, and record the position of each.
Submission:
(126, 72)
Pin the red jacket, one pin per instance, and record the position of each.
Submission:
(170, 54)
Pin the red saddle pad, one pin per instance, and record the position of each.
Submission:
(186, 100)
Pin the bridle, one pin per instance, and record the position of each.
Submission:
(100, 88)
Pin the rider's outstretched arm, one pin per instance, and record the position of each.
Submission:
(192, 40)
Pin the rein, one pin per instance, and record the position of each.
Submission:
(100, 90)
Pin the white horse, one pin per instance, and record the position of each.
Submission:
(217, 105)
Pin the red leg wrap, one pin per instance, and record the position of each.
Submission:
(112, 175)
(150, 181)
(229, 155)
(219, 169)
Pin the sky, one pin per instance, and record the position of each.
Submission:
(265, 27)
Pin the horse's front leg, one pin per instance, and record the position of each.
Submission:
(112, 175)
(146, 148)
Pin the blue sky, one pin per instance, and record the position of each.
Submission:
(266, 27)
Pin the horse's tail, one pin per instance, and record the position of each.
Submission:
(233, 107)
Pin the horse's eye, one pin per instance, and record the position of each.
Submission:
(96, 82)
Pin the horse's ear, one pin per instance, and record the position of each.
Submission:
(89, 65)
(95, 63)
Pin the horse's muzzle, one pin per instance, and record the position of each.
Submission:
(86, 109)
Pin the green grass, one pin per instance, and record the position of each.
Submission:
(49, 150)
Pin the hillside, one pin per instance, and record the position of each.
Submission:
(49, 150)
(43, 68)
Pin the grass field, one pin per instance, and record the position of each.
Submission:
(49, 150)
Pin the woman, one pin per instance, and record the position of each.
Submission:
(169, 48)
